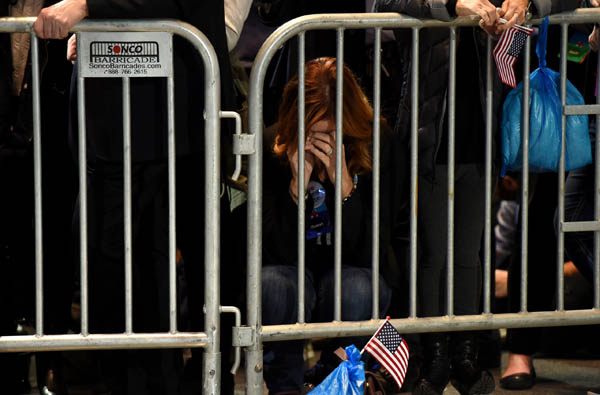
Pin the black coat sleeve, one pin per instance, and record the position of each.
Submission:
(128, 9)
(439, 9)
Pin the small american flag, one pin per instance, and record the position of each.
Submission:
(391, 350)
(507, 51)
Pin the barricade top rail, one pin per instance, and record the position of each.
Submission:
(389, 20)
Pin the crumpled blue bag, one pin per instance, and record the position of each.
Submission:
(346, 379)
(545, 121)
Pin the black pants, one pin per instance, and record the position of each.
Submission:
(149, 371)
(541, 255)
(469, 201)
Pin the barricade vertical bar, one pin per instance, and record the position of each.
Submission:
(597, 201)
(212, 226)
(376, 170)
(172, 203)
(301, 179)
(414, 174)
(83, 238)
(525, 177)
(560, 297)
(127, 202)
(337, 308)
(37, 176)
(254, 356)
(487, 236)
(451, 157)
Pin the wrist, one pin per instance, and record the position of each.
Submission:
(353, 185)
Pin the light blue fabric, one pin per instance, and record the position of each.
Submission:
(545, 122)
(346, 379)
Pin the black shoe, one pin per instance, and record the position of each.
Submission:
(424, 387)
(518, 381)
(467, 376)
(435, 371)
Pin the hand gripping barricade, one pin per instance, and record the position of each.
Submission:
(254, 334)
(162, 32)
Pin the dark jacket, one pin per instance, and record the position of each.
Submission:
(149, 104)
(434, 55)
(280, 246)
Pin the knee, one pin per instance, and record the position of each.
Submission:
(279, 295)
(357, 295)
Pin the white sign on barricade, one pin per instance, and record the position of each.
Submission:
(128, 54)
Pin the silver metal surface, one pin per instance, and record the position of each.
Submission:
(86, 341)
(451, 148)
(238, 134)
(301, 180)
(487, 235)
(525, 174)
(83, 234)
(339, 121)
(243, 144)
(238, 322)
(433, 324)
(560, 255)
(103, 342)
(37, 185)
(582, 110)
(581, 226)
(171, 152)
(127, 204)
(414, 171)
(597, 200)
(376, 172)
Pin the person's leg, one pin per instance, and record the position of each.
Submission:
(579, 206)
(522, 343)
(469, 206)
(356, 295)
(433, 214)
(283, 361)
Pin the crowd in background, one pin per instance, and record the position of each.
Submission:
(236, 29)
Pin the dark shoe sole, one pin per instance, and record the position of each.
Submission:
(424, 387)
(484, 385)
(519, 381)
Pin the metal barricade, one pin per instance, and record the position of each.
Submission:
(209, 339)
(255, 333)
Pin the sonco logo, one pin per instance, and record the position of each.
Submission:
(145, 49)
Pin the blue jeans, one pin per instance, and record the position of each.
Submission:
(579, 206)
(283, 361)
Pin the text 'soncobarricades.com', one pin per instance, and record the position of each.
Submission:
(128, 54)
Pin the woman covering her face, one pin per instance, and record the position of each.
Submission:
(284, 365)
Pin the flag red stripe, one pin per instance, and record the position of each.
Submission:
(392, 369)
(385, 356)
(384, 353)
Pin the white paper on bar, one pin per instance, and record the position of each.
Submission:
(129, 54)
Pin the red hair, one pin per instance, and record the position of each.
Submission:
(320, 104)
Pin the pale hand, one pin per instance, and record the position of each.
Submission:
(322, 146)
(57, 20)
(309, 164)
(514, 11)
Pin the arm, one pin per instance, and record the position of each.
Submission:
(444, 10)
(57, 20)
(416, 8)
(236, 12)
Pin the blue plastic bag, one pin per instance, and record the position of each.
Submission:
(346, 379)
(545, 121)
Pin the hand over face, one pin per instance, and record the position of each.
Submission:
(321, 143)
(57, 20)
(309, 164)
